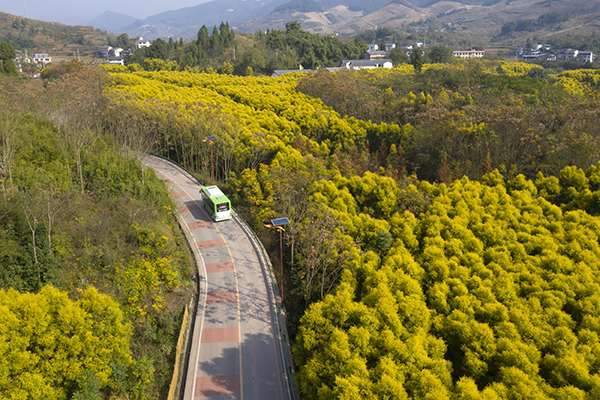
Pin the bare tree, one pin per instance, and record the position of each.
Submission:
(137, 138)
(30, 203)
(64, 147)
(80, 140)
(52, 204)
(77, 106)
(9, 142)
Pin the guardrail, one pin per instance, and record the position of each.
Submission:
(179, 166)
(288, 372)
(275, 288)
(175, 379)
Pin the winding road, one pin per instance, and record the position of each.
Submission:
(237, 351)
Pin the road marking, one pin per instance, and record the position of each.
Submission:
(207, 244)
(220, 335)
(181, 193)
(225, 296)
(217, 385)
(237, 289)
(219, 267)
(239, 330)
(199, 224)
(188, 207)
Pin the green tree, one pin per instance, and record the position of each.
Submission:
(159, 50)
(293, 27)
(215, 38)
(7, 55)
(416, 58)
(203, 37)
(398, 56)
(439, 55)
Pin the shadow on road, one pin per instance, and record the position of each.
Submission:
(259, 379)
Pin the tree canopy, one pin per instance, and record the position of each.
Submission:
(88, 241)
(7, 55)
(443, 241)
(53, 347)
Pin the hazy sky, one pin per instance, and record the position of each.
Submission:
(74, 12)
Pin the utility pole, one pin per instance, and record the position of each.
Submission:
(278, 224)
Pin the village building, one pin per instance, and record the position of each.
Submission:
(142, 43)
(469, 53)
(41, 59)
(104, 50)
(115, 52)
(374, 55)
(586, 56)
(567, 54)
(367, 64)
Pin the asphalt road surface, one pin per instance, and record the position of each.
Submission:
(236, 351)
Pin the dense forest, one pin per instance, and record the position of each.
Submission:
(444, 227)
(94, 275)
(444, 237)
(261, 53)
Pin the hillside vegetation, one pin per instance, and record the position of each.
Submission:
(60, 41)
(261, 54)
(463, 24)
(444, 223)
(94, 275)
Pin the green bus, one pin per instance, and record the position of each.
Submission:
(216, 203)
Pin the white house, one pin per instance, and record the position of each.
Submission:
(42, 59)
(373, 47)
(586, 56)
(419, 44)
(469, 53)
(104, 50)
(407, 49)
(374, 55)
(390, 46)
(367, 64)
(568, 53)
(115, 52)
(143, 43)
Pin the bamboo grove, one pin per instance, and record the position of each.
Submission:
(444, 223)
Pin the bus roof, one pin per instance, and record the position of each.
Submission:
(215, 193)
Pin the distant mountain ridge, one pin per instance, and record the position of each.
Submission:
(485, 21)
(112, 21)
(329, 16)
(187, 21)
